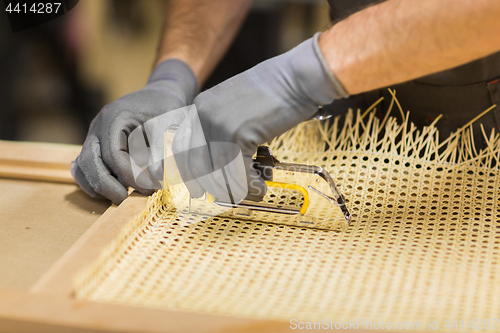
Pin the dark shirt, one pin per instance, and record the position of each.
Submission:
(459, 93)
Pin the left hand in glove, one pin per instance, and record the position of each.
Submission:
(107, 164)
(214, 145)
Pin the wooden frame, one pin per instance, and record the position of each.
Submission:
(37, 161)
(49, 305)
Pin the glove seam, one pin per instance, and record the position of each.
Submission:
(337, 85)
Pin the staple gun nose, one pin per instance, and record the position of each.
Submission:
(266, 162)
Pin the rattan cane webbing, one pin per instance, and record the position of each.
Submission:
(424, 242)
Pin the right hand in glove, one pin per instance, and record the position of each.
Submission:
(213, 147)
(103, 168)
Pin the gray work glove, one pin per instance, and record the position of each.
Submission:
(245, 111)
(103, 168)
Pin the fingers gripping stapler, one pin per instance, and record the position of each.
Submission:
(298, 195)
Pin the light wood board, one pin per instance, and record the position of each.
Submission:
(39, 221)
(42, 211)
(37, 161)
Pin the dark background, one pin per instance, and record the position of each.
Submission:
(54, 78)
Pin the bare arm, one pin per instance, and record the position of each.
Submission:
(199, 32)
(400, 40)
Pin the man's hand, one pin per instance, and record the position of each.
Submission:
(248, 110)
(103, 168)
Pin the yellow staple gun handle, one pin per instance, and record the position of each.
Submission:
(287, 186)
(294, 187)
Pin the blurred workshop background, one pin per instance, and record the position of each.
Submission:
(55, 78)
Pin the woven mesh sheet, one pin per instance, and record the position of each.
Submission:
(424, 242)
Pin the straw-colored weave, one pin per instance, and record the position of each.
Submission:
(424, 242)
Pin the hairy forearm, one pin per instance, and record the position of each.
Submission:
(400, 40)
(199, 32)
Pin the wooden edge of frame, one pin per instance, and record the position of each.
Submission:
(37, 161)
(29, 312)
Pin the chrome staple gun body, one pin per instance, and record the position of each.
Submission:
(323, 206)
